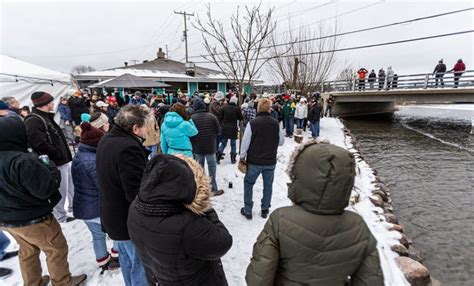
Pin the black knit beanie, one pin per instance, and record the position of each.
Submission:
(41, 98)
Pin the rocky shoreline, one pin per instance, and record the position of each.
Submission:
(409, 259)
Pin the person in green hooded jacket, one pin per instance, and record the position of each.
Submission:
(315, 241)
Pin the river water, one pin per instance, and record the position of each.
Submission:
(426, 157)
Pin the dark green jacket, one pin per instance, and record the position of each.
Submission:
(316, 242)
(288, 109)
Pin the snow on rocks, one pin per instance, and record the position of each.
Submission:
(367, 190)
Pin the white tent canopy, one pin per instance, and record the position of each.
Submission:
(20, 79)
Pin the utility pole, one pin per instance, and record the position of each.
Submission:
(185, 30)
(167, 56)
(295, 72)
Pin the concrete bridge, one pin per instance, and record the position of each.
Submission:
(353, 99)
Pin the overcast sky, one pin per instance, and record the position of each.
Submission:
(60, 35)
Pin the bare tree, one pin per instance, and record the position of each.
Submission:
(240, 52)
(346, 78)
(311, 61)
(82, 69)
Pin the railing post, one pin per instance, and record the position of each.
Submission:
(353, 85)
(427, 78)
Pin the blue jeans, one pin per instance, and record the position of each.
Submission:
(253, 171)
(211, 167)
(328, 111)
(233, 145)
(132, 267)
(299, 123)
(289, 125)
(4, 242)
(98, 239)
(314, 129)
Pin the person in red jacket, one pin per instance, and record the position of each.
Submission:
(458, 70)
(362, 72)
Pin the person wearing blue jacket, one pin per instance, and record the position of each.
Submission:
(65, 121)
(86, 196)
(176, 131)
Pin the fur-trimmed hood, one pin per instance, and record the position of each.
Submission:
(322, 177)
(174, 181)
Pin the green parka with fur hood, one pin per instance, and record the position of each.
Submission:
(315, 241)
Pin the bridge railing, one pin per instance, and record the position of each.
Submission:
(402, 82)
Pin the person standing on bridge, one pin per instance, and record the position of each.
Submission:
(372, 77)
(458, 70)
(390, 76)
(439, 72)
(381, 78)
(362, 72)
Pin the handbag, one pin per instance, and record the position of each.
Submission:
(242, 166)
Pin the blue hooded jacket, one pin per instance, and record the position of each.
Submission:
(84, 177)
(176, 133)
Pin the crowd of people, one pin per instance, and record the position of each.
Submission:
(389, 80)
(138, 177)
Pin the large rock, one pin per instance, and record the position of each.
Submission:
(391, 218)
(400, 249)
(415, 272)
(382, 194)
(397, 227)
(376, 200)
(405, 241)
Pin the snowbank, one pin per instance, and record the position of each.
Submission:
(244, 232)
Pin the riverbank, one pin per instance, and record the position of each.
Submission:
(369, 192)
(424, 155)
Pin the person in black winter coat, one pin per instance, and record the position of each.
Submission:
(28, 194)
(78, 105)
(178, 235)
(204, 143)
(121, 159)
(46, 138)
(230, 116)
(314, 116)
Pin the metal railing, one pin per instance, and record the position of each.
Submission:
(402, 82)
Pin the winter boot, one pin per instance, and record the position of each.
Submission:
(246, 215)
(218, 157)
(45, 280)
(232, 158)
(264, 213)
(77, 280)
(109, 263)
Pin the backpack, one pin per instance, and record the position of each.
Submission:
(44, 123)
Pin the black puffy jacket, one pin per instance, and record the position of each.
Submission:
(78, 106)
(208, 126)
(230, 115)
(28, 188)
(179, 238)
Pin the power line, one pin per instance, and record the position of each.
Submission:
(354, 31)
(166, 23)
(293, 14)
(356, 47)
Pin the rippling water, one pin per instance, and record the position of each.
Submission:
(426, 157)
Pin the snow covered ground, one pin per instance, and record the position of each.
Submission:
(244, 232)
